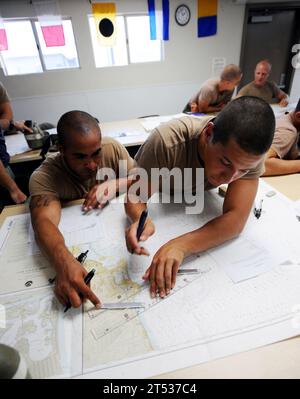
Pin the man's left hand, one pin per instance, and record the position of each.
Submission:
(164, 267)
(100, 195)
(19, 125)
(284, 102)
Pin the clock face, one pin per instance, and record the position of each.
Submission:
(182, 15)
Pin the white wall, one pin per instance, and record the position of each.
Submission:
(124, 92)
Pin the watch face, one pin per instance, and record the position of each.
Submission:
(182, 14)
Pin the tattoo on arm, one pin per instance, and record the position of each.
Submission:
(39, 201)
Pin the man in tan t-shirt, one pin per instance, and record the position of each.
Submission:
(231, 149)
(283, 157)
(71, 174)
(215, 93)
(261, 87)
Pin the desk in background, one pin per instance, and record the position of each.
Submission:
(131, 133)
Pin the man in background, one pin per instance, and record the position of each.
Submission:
(215, 93)
(263, 88)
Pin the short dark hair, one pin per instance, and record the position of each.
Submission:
(75, 122)
(250, 121)
(231, 72)
(298, 106)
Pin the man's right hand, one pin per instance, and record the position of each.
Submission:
(17, 195)
(131, 240)
(70, 287)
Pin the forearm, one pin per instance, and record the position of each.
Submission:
(4, 123)
(214, 233)
(5, 180)
(134, 210)
(51, 242)
(123, 184)
(276, 167)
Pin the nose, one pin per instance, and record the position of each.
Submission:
(91, 165)
(230, 175)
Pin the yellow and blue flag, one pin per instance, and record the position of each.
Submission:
(207, 17)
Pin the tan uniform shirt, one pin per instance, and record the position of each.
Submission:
(55, 177)
(210, 93)
(268, 92)
(286, 138)
(175, 145)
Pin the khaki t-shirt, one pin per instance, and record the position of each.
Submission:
(175, 145)
(3, 94)
(268, 92)
(285, 138)
(210, 93)
(55, 177)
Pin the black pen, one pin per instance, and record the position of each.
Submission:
(258, 211)
(81, 258)
(87, 280)
(141, 224)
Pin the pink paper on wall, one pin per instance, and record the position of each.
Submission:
(3, 40)
(53, 35)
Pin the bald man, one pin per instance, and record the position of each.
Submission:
(263, 88)
(215, 93)
(68, 175)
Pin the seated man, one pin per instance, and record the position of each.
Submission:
(283, 156)
(6, 176)
(261, 87)
(7, 182)
(68, 175)
(215, 93)
(231, 148)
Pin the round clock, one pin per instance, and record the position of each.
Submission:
(182, 14)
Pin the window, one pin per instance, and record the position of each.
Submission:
(109, 56)
(133, 43)
(58, 57)
(27, 51)
(141, 48)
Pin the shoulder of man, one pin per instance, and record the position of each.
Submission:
(246, 89)
(284, 123)
(273, 86)
(44, 179)
(180, 130)
(113, 152)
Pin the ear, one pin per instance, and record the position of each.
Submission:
(60, 149)
(208, 132)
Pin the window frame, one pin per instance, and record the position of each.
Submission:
(110, 49)
(32, 21)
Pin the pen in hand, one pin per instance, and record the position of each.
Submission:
(87, 280)
(81, 258)
(141, 224)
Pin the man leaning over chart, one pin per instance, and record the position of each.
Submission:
(231, 149)
(71, 174)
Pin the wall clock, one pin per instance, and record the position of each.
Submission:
(182, 15)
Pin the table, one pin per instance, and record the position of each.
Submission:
(130, 133)
(279, 360)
